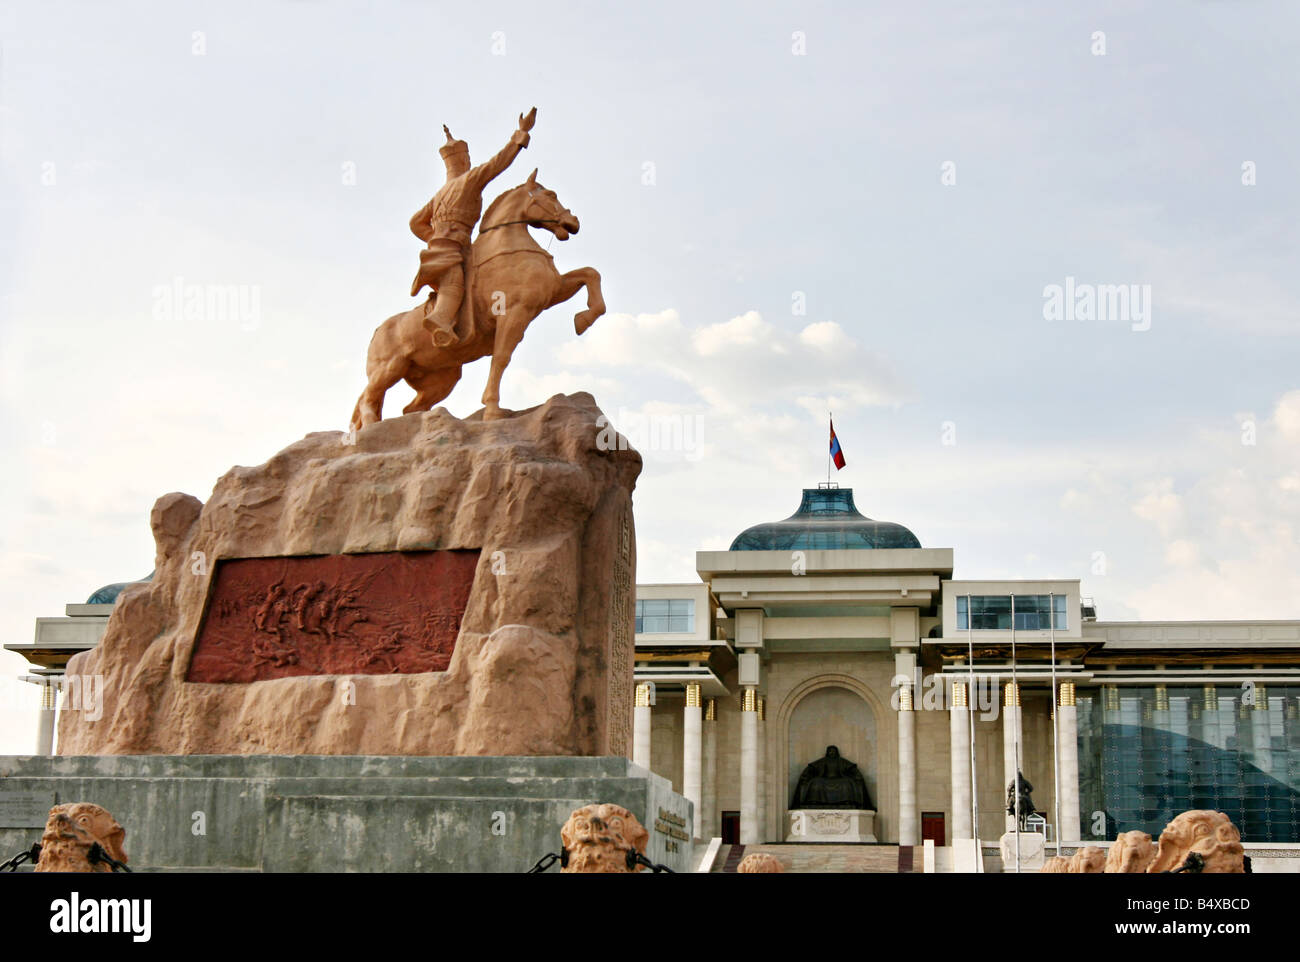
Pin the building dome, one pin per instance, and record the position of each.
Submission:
(107, 595)
(826, 520)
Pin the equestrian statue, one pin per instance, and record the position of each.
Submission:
(484, 293)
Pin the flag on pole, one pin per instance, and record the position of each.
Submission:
(836, 454)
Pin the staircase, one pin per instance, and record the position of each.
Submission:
(878, 859)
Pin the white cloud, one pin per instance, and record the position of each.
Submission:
(1161, 506)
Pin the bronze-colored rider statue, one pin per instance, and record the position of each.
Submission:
(445, 224)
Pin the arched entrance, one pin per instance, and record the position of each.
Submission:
(829, 710)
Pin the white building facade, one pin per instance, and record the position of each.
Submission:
(829, 628)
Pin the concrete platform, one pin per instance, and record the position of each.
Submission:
(338, 813)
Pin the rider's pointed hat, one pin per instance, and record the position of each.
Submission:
(453, 146)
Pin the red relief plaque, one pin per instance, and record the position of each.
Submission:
(343, 614)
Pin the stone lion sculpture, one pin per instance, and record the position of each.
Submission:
(599, 837)
(1059, 864)
(1211, 835)
(1088, 860)
(759, 863)
(70, 832)
(1132, 853)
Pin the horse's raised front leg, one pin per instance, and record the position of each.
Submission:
(570, 284)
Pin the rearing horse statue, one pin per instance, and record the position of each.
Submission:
(510, 281)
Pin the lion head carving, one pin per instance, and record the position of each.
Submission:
(599, 837)
(1209, 834)
(1057, 864)
(757, 863)
(71, 830)
(1087, 860)
(1131, 853)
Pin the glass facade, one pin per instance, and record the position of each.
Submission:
(1147, 754)
(664, 615)
(1001, 612)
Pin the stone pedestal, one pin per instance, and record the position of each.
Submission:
(427, 586)
(844, 825)
(1033, 851)
(341, 813)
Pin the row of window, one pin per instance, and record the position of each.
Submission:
(1023, 612)
(665, 615)
(1005, 612)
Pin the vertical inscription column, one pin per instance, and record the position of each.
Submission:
(621, 651)
(692, 721)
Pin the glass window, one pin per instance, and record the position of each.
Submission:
(1002, 612)
(1032, 612)
(665, 615)
(990, 612)
(1141, 768)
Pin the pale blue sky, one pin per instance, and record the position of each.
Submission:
(775, 173)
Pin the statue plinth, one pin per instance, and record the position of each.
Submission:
(427, 586)
(844, 825)
(1030, 846)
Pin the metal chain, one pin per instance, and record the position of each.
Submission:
(94, 856)
(543, 863)
(32, 855)
(634, 858)
(1194, 865)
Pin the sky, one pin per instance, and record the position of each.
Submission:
(796, 209)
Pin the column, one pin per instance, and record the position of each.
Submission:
(641, 728)
(905, 641)
(45, 718)
(959, 758)
(1011, 735)
(692, 722)
(749, 767)
(709, 793)
(1067, 759)
(908, 828)
(762, 769)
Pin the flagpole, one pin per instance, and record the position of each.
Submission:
(831, 421)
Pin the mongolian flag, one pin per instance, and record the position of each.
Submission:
(837, 455)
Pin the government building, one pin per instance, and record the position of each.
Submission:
(831, 629)
(828, 629)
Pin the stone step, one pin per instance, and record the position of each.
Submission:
(821, 857)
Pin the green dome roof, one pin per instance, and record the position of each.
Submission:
(826, 520)
(107, 595)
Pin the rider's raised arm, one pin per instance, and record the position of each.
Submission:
(502, 159)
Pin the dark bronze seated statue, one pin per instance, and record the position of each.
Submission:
(831, 782)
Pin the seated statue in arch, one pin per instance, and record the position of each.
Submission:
(832, 781)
